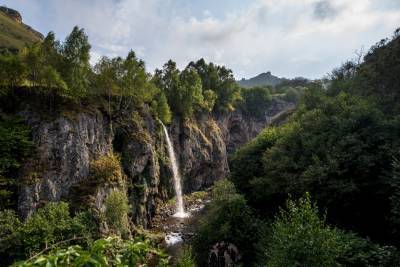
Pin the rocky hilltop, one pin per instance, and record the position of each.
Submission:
(14, 34)
(12, 14)
(68, 142)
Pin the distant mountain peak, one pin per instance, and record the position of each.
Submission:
(262, 79)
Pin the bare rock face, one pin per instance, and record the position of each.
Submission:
(202, 152)
(64, 148)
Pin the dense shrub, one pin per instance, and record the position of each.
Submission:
(116, 212)
(336, 146)
(15, 146)
(106, 169)
(256, 101)
(186, 258)
(111, 251)
(299, 237)
(229, 219)
(46, 227)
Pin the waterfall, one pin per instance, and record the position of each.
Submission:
(180, 209)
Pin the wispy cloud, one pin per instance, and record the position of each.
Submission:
(288, 37)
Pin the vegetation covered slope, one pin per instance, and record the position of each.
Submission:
(340, 149)
(15, 35)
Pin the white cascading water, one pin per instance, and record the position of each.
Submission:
(180, 209)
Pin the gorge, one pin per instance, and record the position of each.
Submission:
(105, 163)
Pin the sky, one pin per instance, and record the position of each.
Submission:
(290, 38)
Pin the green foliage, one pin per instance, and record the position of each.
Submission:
(124, 77)
(186, 258)
(116, 212)
(220, 80)
(47, 226)
(168, 81)
(75, 67)
(395, 197)
(13, 35)
(183, 89)
(106, 169)
(362, 252)
(161, 108)
(333, 146)
(189, 94)
(199, 87)
(210, 98)
(256, 101)
(375, 77)
(247, 162)
(15, 146)
(110, 251)
(293, 94)
(299, 237)
(229, 219)
(12, 71)
(9, 225)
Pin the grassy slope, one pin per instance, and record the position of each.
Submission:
(13, 35)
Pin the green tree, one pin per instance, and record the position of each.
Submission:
(256, 101)
(76, 68)
(135, 81)
(44, 228)
(9, 225)
(210, 98)
(189, 93)
(12, 71)
(333, 146)
(220, 80)
(299, 237)
(162, 109)
(168, 81)
(229, 219)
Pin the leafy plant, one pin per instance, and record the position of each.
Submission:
(43, 229)
(229, 219)
(186, 258)
(106, 169)
(116, 212)
(299, 237)
(110, 251)
(15, 146)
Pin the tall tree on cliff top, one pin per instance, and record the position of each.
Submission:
(76, 67)
(220, 80)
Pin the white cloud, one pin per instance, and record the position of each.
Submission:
(288, 37)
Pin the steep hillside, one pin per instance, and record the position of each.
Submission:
(14, 34)
(261, 80)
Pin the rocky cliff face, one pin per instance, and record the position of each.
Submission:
(65, 147)
(64, 150)
(238, 128)
(202, 152)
